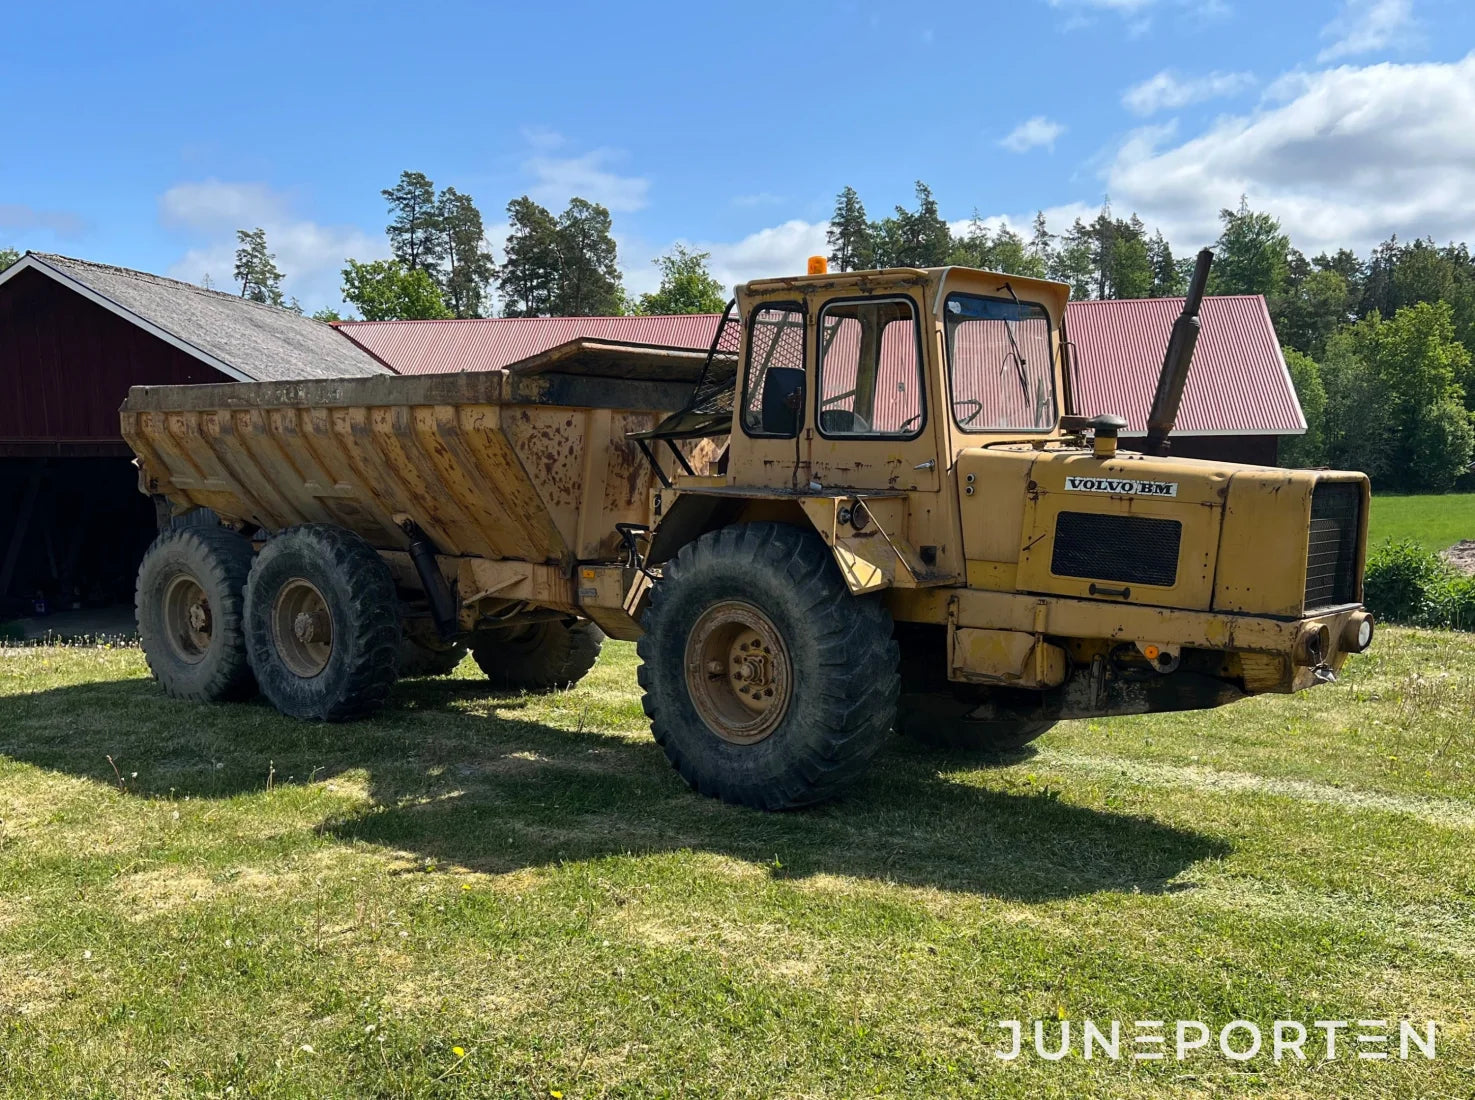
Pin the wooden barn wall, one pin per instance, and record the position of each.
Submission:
(66, 365)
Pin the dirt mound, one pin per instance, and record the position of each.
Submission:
(1462, 555)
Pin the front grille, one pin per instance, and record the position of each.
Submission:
(1134, 549)
(1331, 550)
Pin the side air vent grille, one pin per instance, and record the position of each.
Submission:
(1132, 549)
(1331, 551)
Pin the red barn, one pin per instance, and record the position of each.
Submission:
(73, 337)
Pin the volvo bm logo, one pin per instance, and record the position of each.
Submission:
(1121, 487)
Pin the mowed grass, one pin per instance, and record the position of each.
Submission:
(1435, 522)
(236, 904)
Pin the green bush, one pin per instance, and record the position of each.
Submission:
(1452, 602)
(1398, 582)
(1405, 583)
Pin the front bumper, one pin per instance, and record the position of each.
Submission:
(1259, 638)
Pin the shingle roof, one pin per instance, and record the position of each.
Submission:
(246, 339)
(1238, 384)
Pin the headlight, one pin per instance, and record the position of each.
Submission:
(1357, 635)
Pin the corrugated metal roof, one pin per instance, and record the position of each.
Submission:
(491, 343)
(245, 339)
(1238, 384)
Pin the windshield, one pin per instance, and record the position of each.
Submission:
(1000, 369)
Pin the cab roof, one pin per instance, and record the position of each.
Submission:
(1053, 295)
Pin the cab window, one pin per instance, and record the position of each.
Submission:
(870, 370)
(1000, 371)
(773, 377)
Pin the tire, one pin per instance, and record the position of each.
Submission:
(189, 607)
(770, 599)
(322, 624)
(540, 656)
(417, 658)
(939, 719)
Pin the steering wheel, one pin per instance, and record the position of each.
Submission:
(964, 421)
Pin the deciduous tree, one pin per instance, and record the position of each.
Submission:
(686, 285)
(385, 290)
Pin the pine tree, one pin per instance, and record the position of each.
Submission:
(1042, 245)
(849, 235)
(529, 279)
(256, 268)
(1167, 282)
(415, 234)
(469, 268)
(919, 238)
(1250, 255)
(588, 268)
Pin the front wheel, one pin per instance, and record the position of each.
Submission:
(766, 682)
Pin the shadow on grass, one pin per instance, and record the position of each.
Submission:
(502, 792)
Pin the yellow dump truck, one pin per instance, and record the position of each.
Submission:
(867, 507)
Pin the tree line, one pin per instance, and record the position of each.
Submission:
(1379, 347)
(441, 266)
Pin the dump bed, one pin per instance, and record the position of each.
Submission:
(497, 464)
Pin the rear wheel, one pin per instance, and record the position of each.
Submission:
(322, 625)
(189, 605)
(538, 656)
(418, 657)
(766, 682)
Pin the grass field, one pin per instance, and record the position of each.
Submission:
(488, 895)
(1435, 522)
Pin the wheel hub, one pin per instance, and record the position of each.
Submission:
(302, 628)
(188, 624)
(738, 672)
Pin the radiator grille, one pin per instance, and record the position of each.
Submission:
(1331, 550)
(1133, 549)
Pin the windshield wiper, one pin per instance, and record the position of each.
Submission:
(1013, 343)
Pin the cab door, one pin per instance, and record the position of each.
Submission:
(870, 412)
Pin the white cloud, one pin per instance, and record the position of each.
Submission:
(59, 223)
(310, 255)
(1342, 157)
(777, 250)
(1168, 91)
(1366, 25)
(587, 176)
(762, 198)
(1032, 133)
(1135, 14)
(1120, 7)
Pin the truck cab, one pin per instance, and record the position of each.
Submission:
(920, 422)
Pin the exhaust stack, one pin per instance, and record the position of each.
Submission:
(1176, 361)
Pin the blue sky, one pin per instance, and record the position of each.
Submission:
(143, 135)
